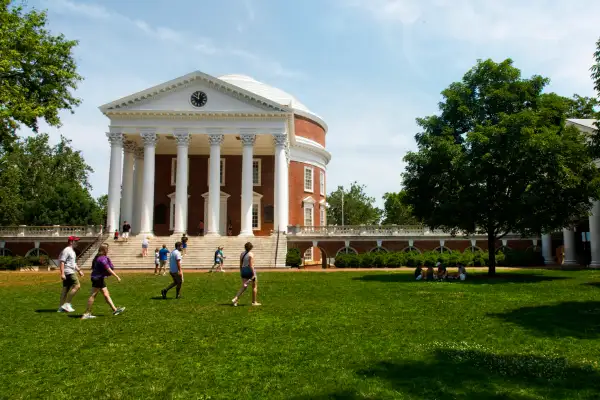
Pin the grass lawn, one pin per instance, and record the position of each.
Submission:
(527, 335)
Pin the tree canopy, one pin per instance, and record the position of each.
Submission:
(37, 72)
(396, 211)
(359, 208)
(498, 158)
(582, 107)
(42, 184)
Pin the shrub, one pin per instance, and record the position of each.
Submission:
(520, 258)
(293, 258)
(414, 259)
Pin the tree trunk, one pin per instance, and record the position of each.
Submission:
(492, 253)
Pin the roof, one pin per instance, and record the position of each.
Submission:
(587, 123)
(274, 94)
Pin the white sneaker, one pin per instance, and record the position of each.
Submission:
(256, 304)
(234, 302)
(68, 307)
(88, 316)
(60, 309)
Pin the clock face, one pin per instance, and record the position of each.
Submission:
(198, 99)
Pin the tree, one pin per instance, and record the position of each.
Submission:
(582, 107)
(359, 208)
(596, 69)
(42, 184)
(499, 158)
(37, 72)
(396, 211)
(102, 203)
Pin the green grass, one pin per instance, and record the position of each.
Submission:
(376, 335)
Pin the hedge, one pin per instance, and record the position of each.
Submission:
(413, 259)
(14, 263)
(293, 258)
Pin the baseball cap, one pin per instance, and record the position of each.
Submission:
(73, 238)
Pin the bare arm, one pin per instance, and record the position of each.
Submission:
(62, 270)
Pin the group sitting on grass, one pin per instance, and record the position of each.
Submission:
(441, 274)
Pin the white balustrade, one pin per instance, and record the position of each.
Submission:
(50, 231)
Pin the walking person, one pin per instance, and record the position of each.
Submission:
(176, 272)
(184, 240)
(163, 256)
(156, 260)
(126, 230)
(68, 273)
(145, 244)
(219, 258)
(102, 268)
(248, 274)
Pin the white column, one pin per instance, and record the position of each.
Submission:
(138, 187)
(214, 184)
(181, 192)
(147, 219)
(281, 171)
(547, 249)
(127, 186)
(248, 138)
(594, 220)
(114, 180)
(569, 245)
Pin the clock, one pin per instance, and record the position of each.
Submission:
(198, 99)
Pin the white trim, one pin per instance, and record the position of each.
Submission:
(322, 215)
(222, 167)
(322, 182)
(344, 248)
(312, 214)
(257, 200)
(172, 197)
(259, 161)
(310, 155)
(301, 140)
(308, 200)
(312, 179)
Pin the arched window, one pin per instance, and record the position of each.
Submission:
(5, 252)
(36, 253)
(503, 249)
(411, 248)
(443, 250)
(379, 249)
(346, 250)
(473, 249)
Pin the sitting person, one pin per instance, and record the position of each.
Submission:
(430, 274)
(462, 272)
(419, 273)
(442, 273)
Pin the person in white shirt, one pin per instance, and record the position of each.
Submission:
(176, 272)
(68, 273)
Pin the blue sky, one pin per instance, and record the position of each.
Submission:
(368, 67)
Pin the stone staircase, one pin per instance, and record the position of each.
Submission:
(85, 259)
(200, 251)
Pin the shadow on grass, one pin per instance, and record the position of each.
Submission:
(594, 284)
(474, 374)
(160, 298)
(472, 279)
(47, 310)
(341, 395)
(573, 319)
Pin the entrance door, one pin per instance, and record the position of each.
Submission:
(222, 213)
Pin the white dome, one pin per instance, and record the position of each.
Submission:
(269, 92)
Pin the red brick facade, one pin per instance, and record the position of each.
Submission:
(309, 129)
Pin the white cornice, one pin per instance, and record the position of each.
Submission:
(211, 81)
(194, 115)
(312, 117)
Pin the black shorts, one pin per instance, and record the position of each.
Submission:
(98, 283)
(71, 280)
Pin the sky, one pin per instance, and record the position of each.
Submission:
(368, 67)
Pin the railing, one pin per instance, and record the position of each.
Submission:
(366, 230)
(50, 231)
(88, 252)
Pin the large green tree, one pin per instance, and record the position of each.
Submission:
(596, 69)
(41, 184)
(358, 207)
(498, 158)
(37, 72)
(396, 211)
(582, 107)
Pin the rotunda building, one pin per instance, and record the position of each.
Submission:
(225, 156)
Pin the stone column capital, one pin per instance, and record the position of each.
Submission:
(216, 139)
(139, 153)
(129, 146)
(182, 137)
(248, 139)
(115, 138)
(149, 137)
(280, 139)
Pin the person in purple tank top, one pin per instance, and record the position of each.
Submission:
(102, 268)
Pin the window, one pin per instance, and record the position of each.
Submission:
(174, 171)
(308, 254)
(308, 179)
(5, 252)
(221, 172)
(322, 182)
(308, 216)
(256, 170)
(322, 216)
(255, 219)
(172, 216)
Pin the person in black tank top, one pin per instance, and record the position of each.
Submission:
(248, 274)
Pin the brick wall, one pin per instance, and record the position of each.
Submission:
(309, 129)
(297, 193)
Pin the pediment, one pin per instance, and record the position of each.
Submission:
(223, 195)
(221, 97)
